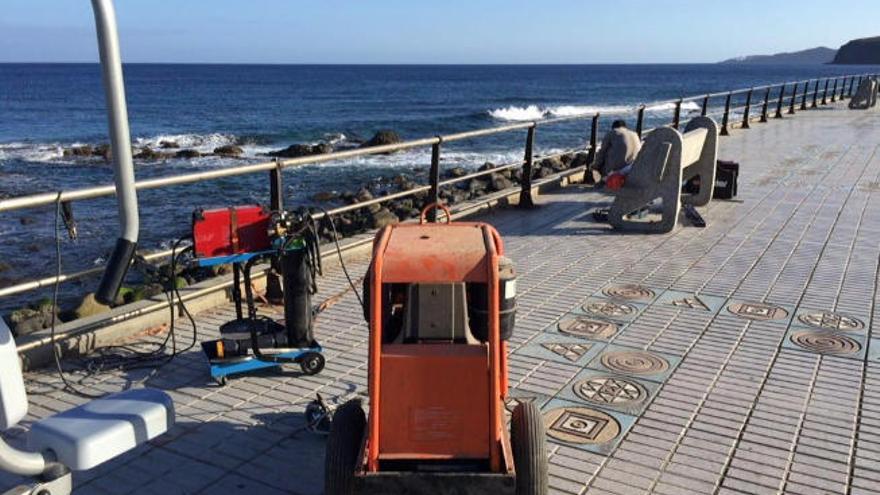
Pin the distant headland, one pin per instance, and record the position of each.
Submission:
(864, 51)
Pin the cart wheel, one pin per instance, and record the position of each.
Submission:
(312, 363)
(529, 449)
(222, 381)
(343, 445)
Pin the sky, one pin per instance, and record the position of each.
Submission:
(432, 32)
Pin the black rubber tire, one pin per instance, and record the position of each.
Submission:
(312, 363)
(529, 450)
(343, 446)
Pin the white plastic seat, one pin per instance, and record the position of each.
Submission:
(83, 437)
(93, 433)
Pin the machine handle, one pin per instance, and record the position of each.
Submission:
(423, 218)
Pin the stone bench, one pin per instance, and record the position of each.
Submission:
(866, 95)
(667, 159)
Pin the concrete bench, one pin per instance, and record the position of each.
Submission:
(866, 95)
(667, 159)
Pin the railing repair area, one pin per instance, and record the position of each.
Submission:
(735, 109)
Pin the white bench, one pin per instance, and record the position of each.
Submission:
(79, 438)
(667, 159)
(866, 95)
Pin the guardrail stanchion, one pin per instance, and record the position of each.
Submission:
(849, 92)
(434, 194)
(676, 116)
(791, 110)
(725, 120)
(640, 121)
(843, 89)
(815, 95)
(766, 105)
(594, 139)
(747, 110)
(804, 97)
(825, 91)
(525, 194)
(780, 102)
(834, 91)
(705, 109)
(274, 293)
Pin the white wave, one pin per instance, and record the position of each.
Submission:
(687, 106)
(535, 112)
(42, 152)
(518, 114)
(200, 142)
(335, 138)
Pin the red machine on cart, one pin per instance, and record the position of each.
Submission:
(440, 304)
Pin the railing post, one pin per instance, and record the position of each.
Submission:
(434, 195)
(815, 95)
(765, 106)
(834, 91)
(640, 121)
(849, 91)
(780, 102)
(791, 105)
(725, 120)
(804, 98)
(525, 194)
(676, 117)
(594, 139)
(705, 110)
(843, 88)
(274, 293)
(747, 110)
(825, 92)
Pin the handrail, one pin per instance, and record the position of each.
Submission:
(31, 201)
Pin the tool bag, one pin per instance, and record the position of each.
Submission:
(726, 175)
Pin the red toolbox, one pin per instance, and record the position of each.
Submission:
(229, 231)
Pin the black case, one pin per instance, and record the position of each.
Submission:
(726, 175)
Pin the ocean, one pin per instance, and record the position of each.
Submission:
(45, 108)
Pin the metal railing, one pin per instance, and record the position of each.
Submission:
(793, 95)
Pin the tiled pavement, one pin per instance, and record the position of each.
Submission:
(669, 364)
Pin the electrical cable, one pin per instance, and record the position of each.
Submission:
(56, 353)
(339, 254)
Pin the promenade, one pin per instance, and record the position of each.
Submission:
(733, 359)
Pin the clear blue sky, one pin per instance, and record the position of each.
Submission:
(433, 31)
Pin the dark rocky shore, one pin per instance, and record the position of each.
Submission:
(157, 279)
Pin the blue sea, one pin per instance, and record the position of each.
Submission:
(45, 108)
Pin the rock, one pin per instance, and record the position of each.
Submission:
(383, 217)
(229, 150)
(382, 138)
(26, 220)
(4, 267)
(79, 151)
(103, 151)
(486, 166)
(148, 154)
(325, 196)
(456, 172)
(181, 282)
(554, 164)
(579, 160)
(167, 145)
(146, 291)
(125, 296)
(499, 182)
(90, 307)
(362, 195)
(477, 186)
(33, 318)
(187, 154)
(299, 150)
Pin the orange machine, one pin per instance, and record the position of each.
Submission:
(440, 303)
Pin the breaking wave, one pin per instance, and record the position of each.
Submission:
(534, 112)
